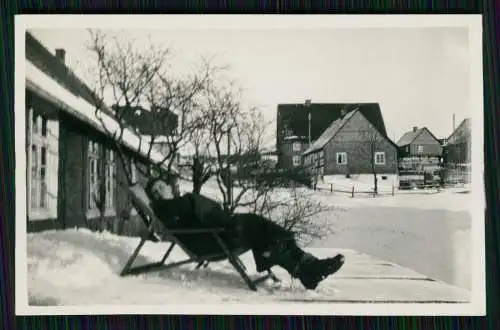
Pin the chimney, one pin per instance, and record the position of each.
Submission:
(453, 123)
(415, 128)
(61, 54)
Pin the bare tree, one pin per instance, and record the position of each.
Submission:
(134, 78)
(366, 152)
(238, 137)
(210, 116)
(298, 212)
(202, 167)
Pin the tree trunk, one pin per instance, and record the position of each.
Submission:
(375, 183)
(375, 180)
(196, 175)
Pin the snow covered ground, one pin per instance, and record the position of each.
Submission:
(81, 268)
(425, 230)
(403, 248)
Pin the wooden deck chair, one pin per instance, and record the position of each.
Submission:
(141, 203)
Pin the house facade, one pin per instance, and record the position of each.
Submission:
(152, 122)
(419, 150)
(71, 159)
(419, 142)
(420, 158)
(351, 145)
(458, 145)
(291, 151)
(457, 154)
(299, 122)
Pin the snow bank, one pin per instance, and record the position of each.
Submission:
(79, 267)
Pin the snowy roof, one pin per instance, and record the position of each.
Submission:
(410, 136)
(330, 132)
(159, 138)
(43, 84)
(294, 137)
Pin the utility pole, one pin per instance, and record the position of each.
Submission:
(309, 117)
(453, 123)
(308, 107)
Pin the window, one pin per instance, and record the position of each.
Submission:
(42, 156)
(133, 172)
(38, 163)
(296, 160)
(321, 154)
(341, 158)
(296, 146)
(379, 158)
(420, 148)
(134, 180)
(100, 163)
(94, 175)
(110, 179)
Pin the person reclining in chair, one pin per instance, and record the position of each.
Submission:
(270, 243)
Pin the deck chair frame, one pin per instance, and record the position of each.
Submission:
(141, 203)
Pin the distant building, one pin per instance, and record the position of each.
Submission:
(293, 125)
(458, 145)
(270, 158)
(419, 142)
(351, 145)
(292, 148)
(148, 122)
(457, 154)
(419, 150)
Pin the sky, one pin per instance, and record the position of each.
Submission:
(419, 76)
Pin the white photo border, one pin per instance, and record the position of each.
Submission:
(477, 305)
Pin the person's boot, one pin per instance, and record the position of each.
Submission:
(311, 271)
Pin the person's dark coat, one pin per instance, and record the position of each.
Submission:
(244, 230)
(193, 211)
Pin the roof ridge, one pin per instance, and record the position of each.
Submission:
(349, 114)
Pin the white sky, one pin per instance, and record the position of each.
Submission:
(420, 76)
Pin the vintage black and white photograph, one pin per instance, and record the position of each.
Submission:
(250, 164)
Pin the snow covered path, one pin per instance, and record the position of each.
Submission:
(81, 268)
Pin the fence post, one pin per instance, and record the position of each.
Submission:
(352, 194)
(331, 187)
(392, 190)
